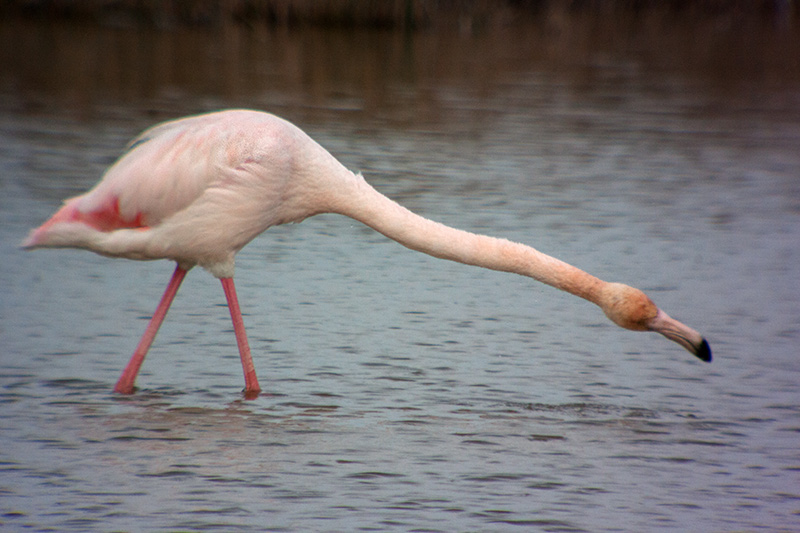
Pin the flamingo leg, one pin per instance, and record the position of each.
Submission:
(125, 383)
(251, 387)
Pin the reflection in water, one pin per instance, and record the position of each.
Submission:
(408, 393)
(411, 76)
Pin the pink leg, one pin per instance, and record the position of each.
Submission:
(251, 387)
(126, 380)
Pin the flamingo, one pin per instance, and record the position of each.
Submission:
(196, 190)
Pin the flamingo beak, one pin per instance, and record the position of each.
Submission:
(682, 334)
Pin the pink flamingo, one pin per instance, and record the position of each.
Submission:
(197, 189)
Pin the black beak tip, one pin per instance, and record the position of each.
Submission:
(704, 351)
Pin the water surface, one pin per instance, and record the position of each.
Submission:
(404, 392)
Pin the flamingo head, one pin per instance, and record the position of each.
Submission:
(631, 309)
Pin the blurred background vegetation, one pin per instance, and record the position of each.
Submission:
(466, 15)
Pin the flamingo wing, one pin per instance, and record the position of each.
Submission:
(162, 172)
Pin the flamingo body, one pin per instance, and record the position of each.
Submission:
(195, 190)
(198, 189)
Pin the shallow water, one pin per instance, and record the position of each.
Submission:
(404, 392)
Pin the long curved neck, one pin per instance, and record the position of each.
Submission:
(367, 205)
